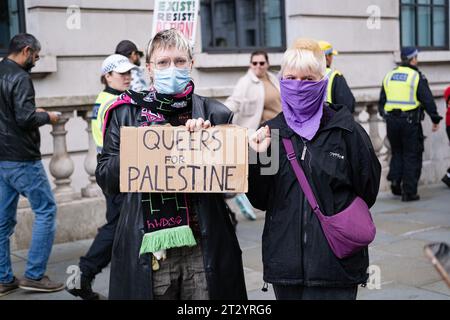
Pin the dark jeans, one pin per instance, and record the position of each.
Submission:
(314, 293)
(99, 254)
(407, 145)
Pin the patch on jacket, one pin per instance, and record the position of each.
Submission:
(337, 155)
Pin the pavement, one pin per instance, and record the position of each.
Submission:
(399, 269)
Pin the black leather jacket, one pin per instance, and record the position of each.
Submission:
(131, 275)
(19, 122)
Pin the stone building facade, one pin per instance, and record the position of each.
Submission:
(76, 36)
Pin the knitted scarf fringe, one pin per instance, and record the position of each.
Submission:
(167, 239)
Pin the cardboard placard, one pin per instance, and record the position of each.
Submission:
(168, 159)
(176, 14)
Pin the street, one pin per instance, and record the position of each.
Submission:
(403, 229)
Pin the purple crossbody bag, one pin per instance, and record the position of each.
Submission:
(348, 231)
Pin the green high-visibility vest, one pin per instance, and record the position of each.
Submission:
(401, 86)
(101, 106)
(331, 74)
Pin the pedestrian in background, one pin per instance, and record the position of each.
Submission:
(21, 169)
(116, 76)
(338, 91)
(404, 95)
(128, 49)
(340, 165)
(255, 99)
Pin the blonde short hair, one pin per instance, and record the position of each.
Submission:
(171, 38)
(305, 55)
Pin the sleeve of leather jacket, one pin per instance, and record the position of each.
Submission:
(366, 168)
(108, 167)
(25, 107)
(230, 118)
(342, 93)
(218, 113)
(426, 98)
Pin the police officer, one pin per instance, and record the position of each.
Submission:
(404, 95)
(116, 76)
(338, 89)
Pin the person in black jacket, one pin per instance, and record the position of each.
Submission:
(404, 97)
(210, 269)
(338, 91)
(21, 170)
(340, 164)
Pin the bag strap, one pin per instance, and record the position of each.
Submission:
(301, 177)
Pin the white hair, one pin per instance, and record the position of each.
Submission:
(169, 39)
(304, 60)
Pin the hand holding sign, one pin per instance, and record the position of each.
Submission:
(260, 140)
(197, 124)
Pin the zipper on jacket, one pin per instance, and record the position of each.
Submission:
(305, 148)
(304, 207)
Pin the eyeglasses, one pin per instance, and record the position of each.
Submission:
(162, 63)
(261, 63)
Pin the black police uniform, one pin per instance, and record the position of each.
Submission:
(341, 93)
(405, 134)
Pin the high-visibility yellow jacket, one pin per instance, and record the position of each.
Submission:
(331, 74)
(401, 86)
(101, 106)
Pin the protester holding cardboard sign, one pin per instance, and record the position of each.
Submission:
(340, 166)
(169, 245)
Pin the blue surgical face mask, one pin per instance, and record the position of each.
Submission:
(171, 80)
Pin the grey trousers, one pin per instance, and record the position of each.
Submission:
(181, 276)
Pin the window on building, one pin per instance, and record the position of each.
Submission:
(11, 22)
(242, 25)
(424, 24)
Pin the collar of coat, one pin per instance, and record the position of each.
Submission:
(14, 64)
(342, 119)
(272, 78)
(407, 65)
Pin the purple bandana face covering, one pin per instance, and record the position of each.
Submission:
(302, 103)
